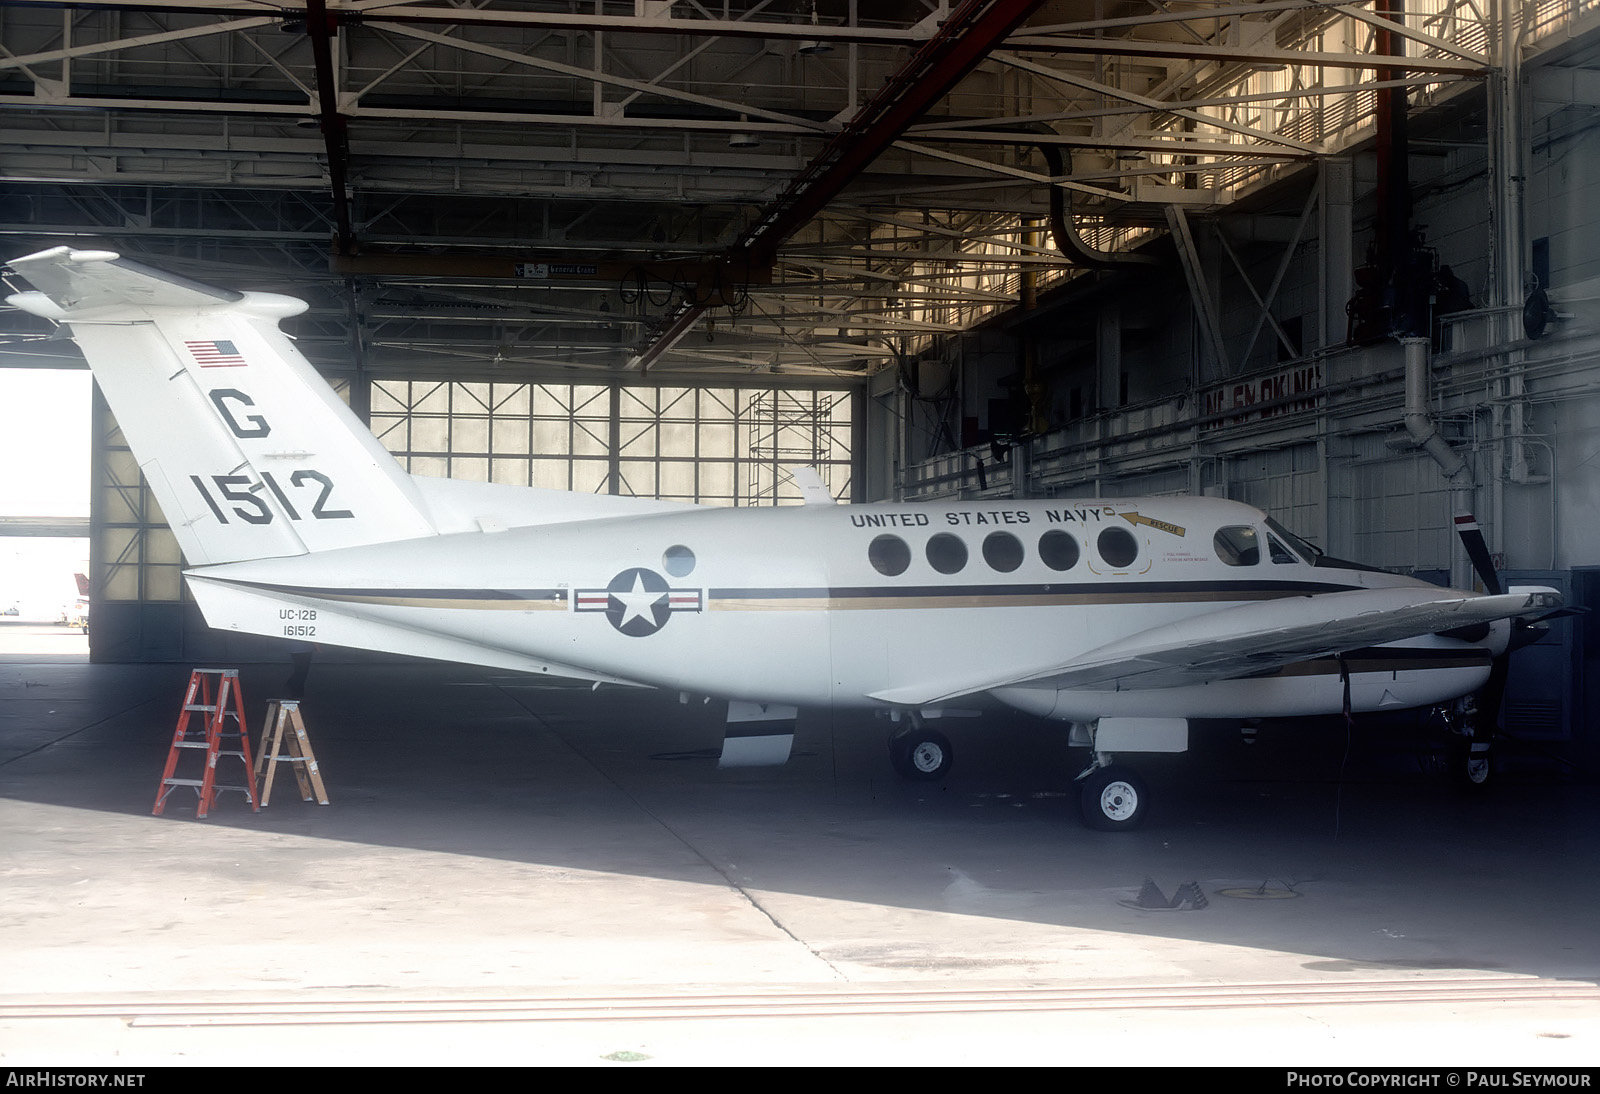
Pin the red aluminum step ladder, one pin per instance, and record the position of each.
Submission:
(229, 703)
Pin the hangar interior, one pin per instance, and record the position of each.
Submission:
(1335, 261)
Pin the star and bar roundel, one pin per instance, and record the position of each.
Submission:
(638, 602)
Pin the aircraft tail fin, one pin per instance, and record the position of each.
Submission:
(248, 450)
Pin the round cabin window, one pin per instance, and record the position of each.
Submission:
(1117, 547)
(946, 553)
(889, 555)
(678, 560)
(1058, 550)
(1002, 551)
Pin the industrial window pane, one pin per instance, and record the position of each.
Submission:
(716, 480)
(430, 435)
(470, 398)
(430, 398)
(163, 583)
(678, 438)
(638, 478)
(388, 397)
(716, 405)
(512, 400)
(590, 438)
(153, 513)
(638, 440)
(470, 435)
(120, 504)
(716, 439)
(120, 583)
(472, 468)
(678, 480)
(160, 545)
(509, 436)
(551, 475)
(551, 438)
(589, 476)
(511, 472)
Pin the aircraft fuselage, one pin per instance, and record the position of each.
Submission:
(825, 604)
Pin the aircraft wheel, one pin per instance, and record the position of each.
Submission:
(921, 754)
(1472, 771)
(1113, 800)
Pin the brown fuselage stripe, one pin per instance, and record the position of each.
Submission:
(911, 598)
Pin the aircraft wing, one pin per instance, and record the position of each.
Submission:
(1247, 640)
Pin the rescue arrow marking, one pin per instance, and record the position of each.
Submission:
(1135, 518)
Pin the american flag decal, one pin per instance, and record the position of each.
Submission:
(216, 354)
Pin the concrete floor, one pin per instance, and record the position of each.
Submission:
(515, 872)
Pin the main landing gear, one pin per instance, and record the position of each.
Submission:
(1111, 798)
(1469, 754)
(921, 754)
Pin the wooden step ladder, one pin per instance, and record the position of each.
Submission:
(283, 716)
(228, 702)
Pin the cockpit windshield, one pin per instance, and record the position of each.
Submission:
(1308, 554)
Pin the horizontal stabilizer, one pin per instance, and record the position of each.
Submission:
(79, 283)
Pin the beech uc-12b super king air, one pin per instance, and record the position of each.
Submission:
(1126, 618)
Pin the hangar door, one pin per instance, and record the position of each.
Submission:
(709, 445)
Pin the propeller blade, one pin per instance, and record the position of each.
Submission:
(1525, 632)
(1560, 613)
(1478, 551)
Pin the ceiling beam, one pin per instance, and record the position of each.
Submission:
(321, 27)
(1265, 56)
(965, 39)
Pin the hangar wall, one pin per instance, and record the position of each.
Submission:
(1296, 417)
(1318, 436)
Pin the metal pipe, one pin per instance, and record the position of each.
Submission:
(1419, 421)
(1423, 433)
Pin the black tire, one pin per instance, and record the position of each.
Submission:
(1472, 772)
(1113, 799)
(921, 755)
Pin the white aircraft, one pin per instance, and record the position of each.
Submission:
(1125, 618)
